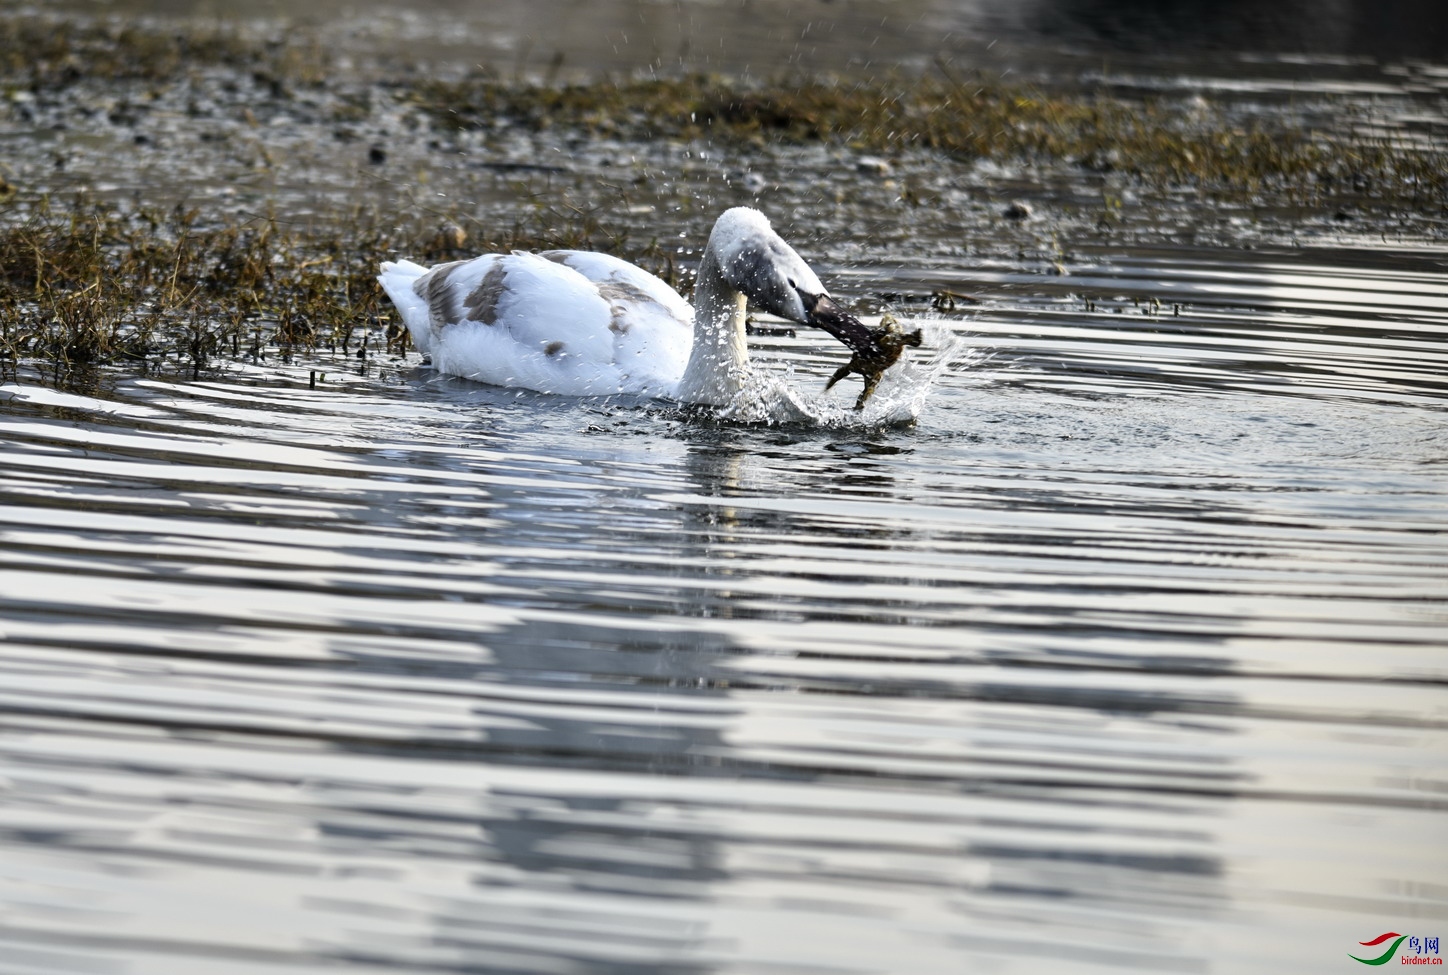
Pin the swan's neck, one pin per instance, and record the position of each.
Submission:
(719, 360)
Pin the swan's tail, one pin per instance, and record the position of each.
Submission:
(397, 279)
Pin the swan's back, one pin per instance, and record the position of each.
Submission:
(570, 322)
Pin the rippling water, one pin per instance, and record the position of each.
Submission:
(1129, 654)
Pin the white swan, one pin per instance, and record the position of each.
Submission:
(586, 324)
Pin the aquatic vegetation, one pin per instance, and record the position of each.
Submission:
(87, 282)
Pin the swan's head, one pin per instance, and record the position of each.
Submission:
(756, 261)
(760, 265)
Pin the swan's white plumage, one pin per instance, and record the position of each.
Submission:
(580, 323)
(567, 322)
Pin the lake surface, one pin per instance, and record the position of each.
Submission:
(1128, 653)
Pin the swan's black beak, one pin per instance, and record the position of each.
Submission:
(875, 349)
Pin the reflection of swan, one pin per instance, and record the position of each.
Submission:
(581, 323)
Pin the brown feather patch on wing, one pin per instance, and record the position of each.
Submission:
(445, 306)
(482, 304)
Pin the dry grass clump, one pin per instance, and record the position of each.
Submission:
(91, 284)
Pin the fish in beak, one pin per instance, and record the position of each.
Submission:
(875, 349)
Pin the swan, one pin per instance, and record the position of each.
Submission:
(580, 323)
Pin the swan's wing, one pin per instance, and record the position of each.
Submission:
(528, 320)
(625, 281)
(445, 293)
(652, 325)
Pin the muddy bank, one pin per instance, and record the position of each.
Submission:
(173, 193)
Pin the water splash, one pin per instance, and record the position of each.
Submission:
(898, 401)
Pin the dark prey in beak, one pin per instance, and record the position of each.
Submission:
(876, 349)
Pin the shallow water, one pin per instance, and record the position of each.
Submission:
(1128, 654)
